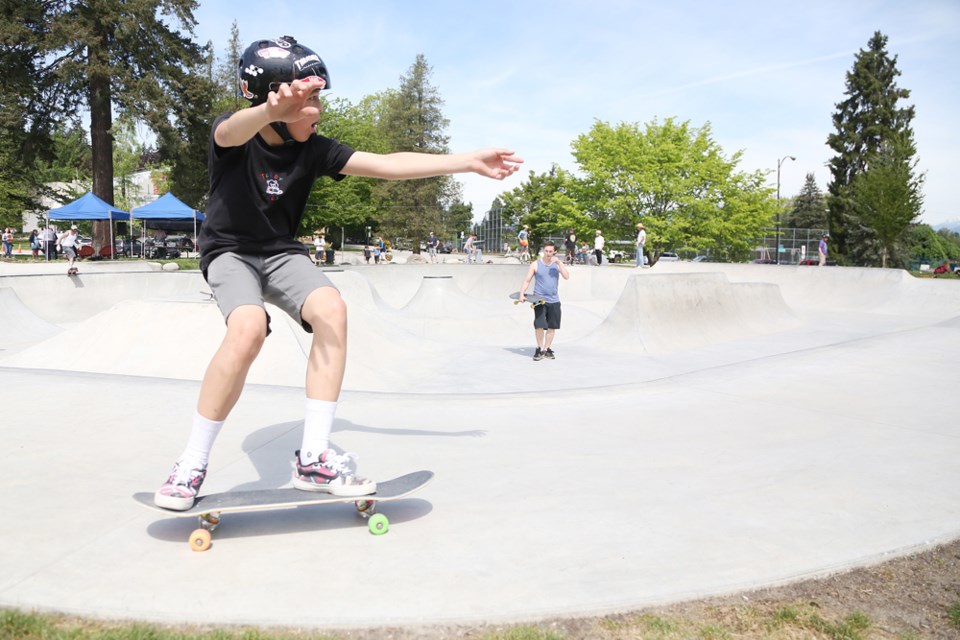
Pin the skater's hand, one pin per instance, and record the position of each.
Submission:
(495, 163)
(295, 101)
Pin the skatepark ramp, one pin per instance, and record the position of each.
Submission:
(20, 325)
(658, 313)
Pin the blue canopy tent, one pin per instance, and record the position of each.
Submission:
(89, 207)
(168, 208)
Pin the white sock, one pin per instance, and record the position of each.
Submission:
(202, 437)
(317, 423)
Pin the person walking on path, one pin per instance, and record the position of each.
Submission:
(263, 162)
(546, 273)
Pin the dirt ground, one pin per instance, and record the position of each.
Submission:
(916, 596)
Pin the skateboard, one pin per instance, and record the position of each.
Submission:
(208, 508)
(72, 271)
(534, 300)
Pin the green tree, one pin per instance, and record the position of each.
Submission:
(921, 242)
(413, 121)
(869, 117)
(809, 209)
(548, 204)
(30, 106)
(675, 179)
(349, 203)
(886, 197)
(114, 56)
(224, 74)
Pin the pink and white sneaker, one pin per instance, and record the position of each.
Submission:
(180, 490)
(333, 474)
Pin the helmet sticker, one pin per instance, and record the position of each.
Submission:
(245, 90)
(273, 52)
(253, 70)
(304, 61)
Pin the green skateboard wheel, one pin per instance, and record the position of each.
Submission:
(378, 524)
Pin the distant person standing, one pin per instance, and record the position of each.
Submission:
(50, 243)
(469, 248)
(570, 244)
(641, 241)
(546, 273)
(8, 242)
(822, 249)
(523, 244)
(432, 243)
(598, 243)
(35, 243)
(319, 246)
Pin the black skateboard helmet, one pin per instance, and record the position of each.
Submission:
(267, 63)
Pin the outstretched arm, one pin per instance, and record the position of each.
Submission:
(493, 163)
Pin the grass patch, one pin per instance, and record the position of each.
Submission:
(953, 614)
(522, 633)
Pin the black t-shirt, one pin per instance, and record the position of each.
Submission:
(258, 193)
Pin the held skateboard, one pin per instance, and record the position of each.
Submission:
(208, 508)
(534, 300)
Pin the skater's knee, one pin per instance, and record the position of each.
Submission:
(325, 308)
(246, 331)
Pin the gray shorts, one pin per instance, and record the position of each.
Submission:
(284, 280)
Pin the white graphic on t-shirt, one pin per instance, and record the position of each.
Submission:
(273, 188)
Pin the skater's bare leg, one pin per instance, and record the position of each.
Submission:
(227, 371)
(326, 312)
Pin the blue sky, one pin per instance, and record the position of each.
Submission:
(532, 75)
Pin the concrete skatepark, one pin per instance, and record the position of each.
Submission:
(704, 429)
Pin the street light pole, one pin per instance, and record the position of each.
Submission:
(777, 239)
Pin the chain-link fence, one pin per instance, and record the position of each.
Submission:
(795, 246)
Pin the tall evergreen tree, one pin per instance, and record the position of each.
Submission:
(119, 57)
(413, 121)
(30, 106)
(809, 207)
(887, 198)
(869, 117)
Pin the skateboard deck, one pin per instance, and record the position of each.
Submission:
(533, 299)
(208, 508)
(72, 271)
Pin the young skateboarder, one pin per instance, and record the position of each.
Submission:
(263, 162)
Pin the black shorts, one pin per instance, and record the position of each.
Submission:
(546, 316)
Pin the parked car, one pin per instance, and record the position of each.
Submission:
(154, 249)
(128, 247)
(812, 262)
(618, 255)
(668, 256)
(182, 243)
(764, 261)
